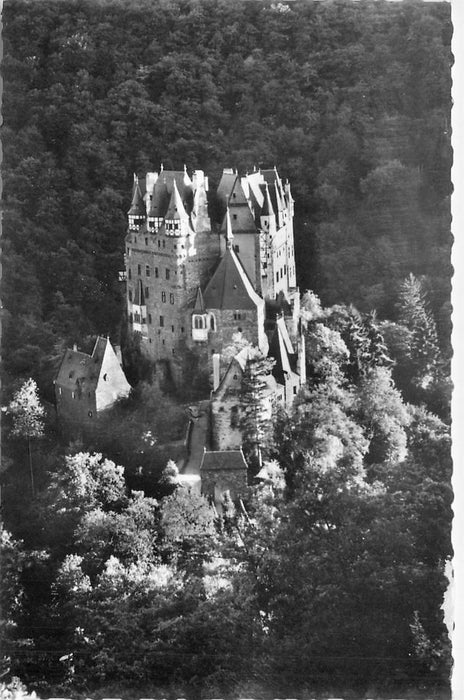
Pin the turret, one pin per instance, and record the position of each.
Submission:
(176, 218)
(137, 212)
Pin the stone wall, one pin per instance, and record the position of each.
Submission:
(215, 482)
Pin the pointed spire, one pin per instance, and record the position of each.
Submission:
(229, 233)
(267, 209)
(137, 205)
(199, 303)
(176, 208)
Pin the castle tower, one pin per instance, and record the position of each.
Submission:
(170, 251)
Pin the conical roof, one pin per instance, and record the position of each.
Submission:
(267, 209)
(176, 209)
(199, 303)
(137, 205)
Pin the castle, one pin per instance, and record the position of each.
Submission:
(205, 268)
(194, 282)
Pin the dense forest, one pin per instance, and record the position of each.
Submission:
(330, 576)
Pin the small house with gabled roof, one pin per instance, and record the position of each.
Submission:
(223, 471)
(87, 384)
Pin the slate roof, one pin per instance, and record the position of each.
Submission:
(176, 209)
(241, 218)
(163, 190)
(137, 205)
(80, 369)
(199, 303)
(230, 287)
(281, 349)
(267, 208)
(230, 460)
(226, 185)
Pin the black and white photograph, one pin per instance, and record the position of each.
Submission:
(226, 362)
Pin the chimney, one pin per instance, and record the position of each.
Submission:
(216, 375)
(117, 352)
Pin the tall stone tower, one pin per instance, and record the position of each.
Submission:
(170, 252)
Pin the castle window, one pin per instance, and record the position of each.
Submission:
(130, 294)
(234, 216)
(105, 377)
(198, 322)
(146, 241)
(294, 390)
(156, 272)
(159, 243)
(171, 298)
(172, 328)
(149, 318)
(182, 330)
(164, 342)
(238, 316)
(161, 321)
(130, 274)
(173, 351)
(163, 296)
(285, 269)
(212, 322)
(168, 274)
(237, 248)
(277, 276)
(146, 292)
(164, 244)
(137, 318)
(139, 269)
(147, 270)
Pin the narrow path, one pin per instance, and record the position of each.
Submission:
(198, 437)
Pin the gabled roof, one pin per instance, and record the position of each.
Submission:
(137, 205)
(230, 287)
(226, 185)
(281, 349)
(241, 218)
(237, 195)
(80, 369)
(229, 460)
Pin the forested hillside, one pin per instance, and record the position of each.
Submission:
(329, 577)
(350, 100)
